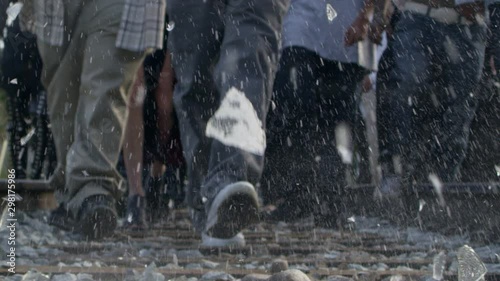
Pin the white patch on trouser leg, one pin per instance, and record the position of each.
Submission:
(236, 124)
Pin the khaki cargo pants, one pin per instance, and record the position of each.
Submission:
(87, 81)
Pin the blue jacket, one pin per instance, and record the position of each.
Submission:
(320, 25)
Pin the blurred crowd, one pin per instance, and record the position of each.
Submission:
(225, 106)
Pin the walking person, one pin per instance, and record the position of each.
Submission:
(317, 94)
(224, 55)
(91, 51)
(152, 144)
(428, 100)
(482, 163)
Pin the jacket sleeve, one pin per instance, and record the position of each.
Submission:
(494, 40)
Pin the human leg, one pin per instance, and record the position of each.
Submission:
(133, 155)
(89, 108)
(194, 50)
(333, 140)
(407, 77)
(244, 68)
(458, 97)
(290, 156)
(134, 137)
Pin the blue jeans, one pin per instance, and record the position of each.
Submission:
(230, 44)
(428, 98)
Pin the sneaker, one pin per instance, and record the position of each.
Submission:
(135, 218)
(97, 217)
(236, 241)
(234, 208)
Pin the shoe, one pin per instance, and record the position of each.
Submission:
(61, 218)
(390, 187)
(338, 221)
(289, 211)
(153, 190)
(97, 217)
(234, 208)
(236, 241)
(135, 218)
(174, 188)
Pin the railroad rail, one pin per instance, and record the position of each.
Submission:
(451, 188)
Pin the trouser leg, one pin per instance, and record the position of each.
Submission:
(443, 96)
(246, 62)
(458, 97)
(194, 50)
(89, 108)
(312, 96)
(333, 139)
(290, 176)
(61, 77)
(407, 78)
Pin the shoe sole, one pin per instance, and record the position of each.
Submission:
(100, 224)
(210, 242)
(233, 209)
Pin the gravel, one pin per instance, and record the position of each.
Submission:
(40, 244)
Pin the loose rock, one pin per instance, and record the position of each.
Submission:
(150, 274)
(16, 277)
(395, 278)
(290, 275)
(189, 254)
(470, 266)
(84, 277)
(256, 277)
(216, 275)
(64, 277)
(193, 266)
(338, 278)
(34, 275)
(209, 264)
(279, 265)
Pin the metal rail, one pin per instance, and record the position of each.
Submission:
(448, 188)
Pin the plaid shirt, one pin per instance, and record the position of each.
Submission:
(141, 28)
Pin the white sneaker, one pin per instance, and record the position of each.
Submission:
(236, 241)
(234, 208)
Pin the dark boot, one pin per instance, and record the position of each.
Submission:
(153, 188)
(135, 218)
(97, 218)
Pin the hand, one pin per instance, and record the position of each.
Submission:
(491, 62)
(469, 10)
(357, 31)
(367, 84)
(375, 32)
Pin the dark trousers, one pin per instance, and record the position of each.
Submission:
(483, 156)
(217, 46)
(427, 98)
(312, 97)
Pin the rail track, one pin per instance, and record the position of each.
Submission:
(373, 249)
